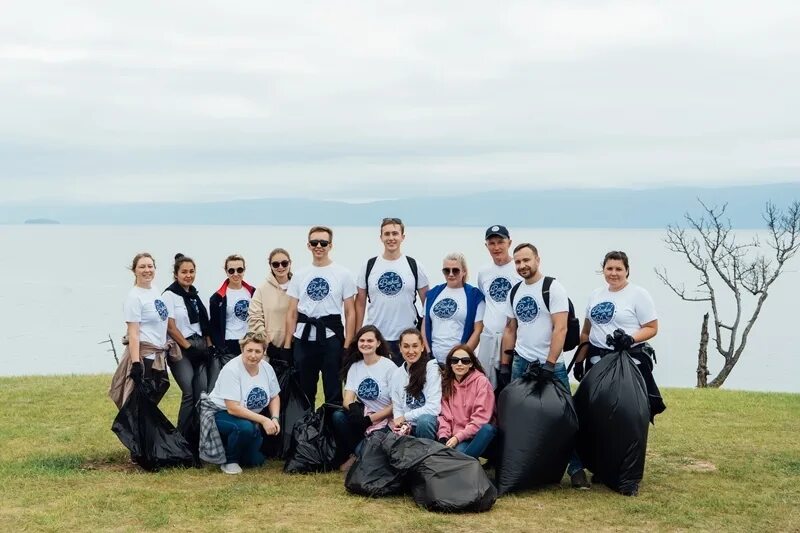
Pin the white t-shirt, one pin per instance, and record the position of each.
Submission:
(391, 295)
(320, 291)
(147, 308)
(495, 283)
(252, 392)
(627, 309)
(429, 402)
(448, 314)
(534, 323)
(372, 385)
(237, 307)
(176, 306)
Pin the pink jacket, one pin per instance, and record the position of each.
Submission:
(470, 407)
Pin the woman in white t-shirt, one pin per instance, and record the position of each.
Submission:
(453, 311)
(367, 372)
(247, 394)
(229, 311)
(416, 389)
(146, 317)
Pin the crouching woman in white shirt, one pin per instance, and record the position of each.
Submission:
(416, 389)
(247, 394)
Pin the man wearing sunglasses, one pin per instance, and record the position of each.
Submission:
(388, 286)
(317, 296)
(495, 281)
(536, 330)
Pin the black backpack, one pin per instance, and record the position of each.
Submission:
(573, 336)
(412, 263)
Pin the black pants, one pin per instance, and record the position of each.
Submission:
(311, 357)
(394, 352)
(232, 349)
(191, 374)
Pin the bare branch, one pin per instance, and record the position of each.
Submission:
(680, 291)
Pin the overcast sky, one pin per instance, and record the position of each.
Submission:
(201, 100)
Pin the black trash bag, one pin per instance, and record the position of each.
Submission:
(372, 475)
(294, 405)
(538, 427)
(614, 413)
(440, 478)
(313, 447)
(140, 425)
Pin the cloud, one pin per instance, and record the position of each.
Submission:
(112, 101)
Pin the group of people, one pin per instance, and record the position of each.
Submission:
(390, 369)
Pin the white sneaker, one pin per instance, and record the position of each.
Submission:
(231, 468)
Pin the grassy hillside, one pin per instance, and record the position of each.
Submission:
(717, 460)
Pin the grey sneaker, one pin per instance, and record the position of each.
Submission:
(579, 480)
(231, 468)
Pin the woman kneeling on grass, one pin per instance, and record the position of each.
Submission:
(246, 389)
(467, 404)
(367, 371)
(416, 389)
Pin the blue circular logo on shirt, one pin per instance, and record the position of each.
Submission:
(390, 283)
(445, 308)
(527, 309)
(498, 289)
(240, 309)
(161, 309)
(368, 389)
(602, 313)
(256, 399)
(318, 289)
(415, 403)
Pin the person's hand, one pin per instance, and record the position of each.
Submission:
(451, 442)
(577, 371)
(547, 370)
(503, 375)
(404, 429)
(137, 371)
(399, 421)
(270, 426)
(442, 440)
(619, 340)
(285, 354)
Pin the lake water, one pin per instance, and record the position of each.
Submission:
(63, 288)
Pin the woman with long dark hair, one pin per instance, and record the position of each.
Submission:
(267, 313)
(416, 389)
(467, 404)
(367, 372)
(189, 327)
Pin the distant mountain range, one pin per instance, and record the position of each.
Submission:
(558, 208)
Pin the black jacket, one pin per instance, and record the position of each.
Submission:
(217, 307)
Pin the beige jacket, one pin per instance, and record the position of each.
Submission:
(267, 313)
(121, 382)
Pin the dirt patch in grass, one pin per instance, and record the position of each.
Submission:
(109, 465)
(697, 465)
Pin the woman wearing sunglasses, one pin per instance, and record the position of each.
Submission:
(453, 311)
(467, 404)
(229, 309)
(267, 313)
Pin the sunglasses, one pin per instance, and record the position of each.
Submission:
(391, 220)
(277, 264)
(451, 271)
(235, 270)
(316, 242)
(466, 361)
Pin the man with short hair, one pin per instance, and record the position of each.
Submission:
(317, 295)
(495, 281)
(535, 332)
(388, 286)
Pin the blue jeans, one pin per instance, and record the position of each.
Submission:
(475, 446)
(518, 368)
(241, 438)
(425, 427)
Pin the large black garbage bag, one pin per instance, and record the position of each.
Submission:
(440, 478)
(294, 405)
(538, 426)
(614, 414)
(140, 425)
(372, 474)
(313, 447)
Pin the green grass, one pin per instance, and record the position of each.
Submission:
(717, 460)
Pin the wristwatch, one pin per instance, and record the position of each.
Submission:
(275, 418)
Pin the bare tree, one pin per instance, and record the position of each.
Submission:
(711, 248)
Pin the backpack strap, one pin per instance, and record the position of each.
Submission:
(370, 266)
(548, 281)
(514, 290)
(412, 264)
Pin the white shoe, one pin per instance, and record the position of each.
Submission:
(231, 468)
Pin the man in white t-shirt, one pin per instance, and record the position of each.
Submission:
(495, 281)
(535, 332)
(388, 286)
(317, 296)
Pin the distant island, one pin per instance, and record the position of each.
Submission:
(41, 221)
